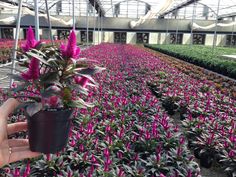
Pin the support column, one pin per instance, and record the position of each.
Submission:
(94, 24)
(73, 13)
(215, 35)
(193, 17)
(177, 30)
(49, 22)
(36, 18)
(16, 39)
(167, 29)
(87, 21)
(232, 35)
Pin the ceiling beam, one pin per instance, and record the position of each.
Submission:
(227, 15)
(29, 6)
(98, 7)
(179, 6)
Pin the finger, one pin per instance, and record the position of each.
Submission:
(20, 155)
(20, 148)
(8, 107)
(18, 142)
(16, 127)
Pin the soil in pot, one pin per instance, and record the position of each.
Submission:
(49, 130)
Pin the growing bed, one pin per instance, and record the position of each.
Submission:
(202, 56)
(130, 131)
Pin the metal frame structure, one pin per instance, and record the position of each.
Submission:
(221, 17)
(98, 6)
(16, 40)
(180, 6)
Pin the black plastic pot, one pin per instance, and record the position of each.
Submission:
(231, 174)
(197, 153)
(218, 158)
(206, 160)
(49, 130)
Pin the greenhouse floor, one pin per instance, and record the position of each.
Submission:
(152, 115)
(5, 69)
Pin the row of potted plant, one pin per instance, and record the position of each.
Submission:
(126, 133)
(5, 54)
(201, 56)
(208, 113)
(6, 47)
(225, 85)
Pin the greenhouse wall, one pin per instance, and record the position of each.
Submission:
(166, 38)
(78, 36)
(209, 39)
(221, 40)
(98, 36)
(153, 38)
(109, 37)
(162, 38)
(186, 38)
(131, 38)
(21, 33)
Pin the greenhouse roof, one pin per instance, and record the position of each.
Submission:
(138, 8)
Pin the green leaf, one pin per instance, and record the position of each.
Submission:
(89, 77)
(48, 93)
(49, 77)
(36, 51)
(35, 98)
(24, 64)
(79, 89)
(75, 104)
(34, 108)
(16, 77)
(38, 57)
(90, 71)
(21, 87)
(24, 105)
(79, 104)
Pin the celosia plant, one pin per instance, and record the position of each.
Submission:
(54, 78)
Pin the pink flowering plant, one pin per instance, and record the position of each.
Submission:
(54, 77)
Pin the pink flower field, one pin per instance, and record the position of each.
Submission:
(149, 119)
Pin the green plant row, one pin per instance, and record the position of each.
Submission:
(202, 56)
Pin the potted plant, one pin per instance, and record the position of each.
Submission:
(51, 87)
(206, 149)
(169, 103)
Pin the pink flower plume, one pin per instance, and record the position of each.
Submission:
(71, 50)
(33, 71)
(30, 40)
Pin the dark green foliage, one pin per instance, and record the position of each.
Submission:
(202, 56)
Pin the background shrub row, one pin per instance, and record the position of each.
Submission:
(202, 56)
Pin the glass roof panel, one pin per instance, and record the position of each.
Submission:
(137, 8)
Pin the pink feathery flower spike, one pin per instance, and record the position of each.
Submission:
(33, 71)
(30, 40)
(71, 50)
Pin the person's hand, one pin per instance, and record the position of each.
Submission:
(12, 150)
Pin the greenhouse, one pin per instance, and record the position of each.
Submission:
(117, 88)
